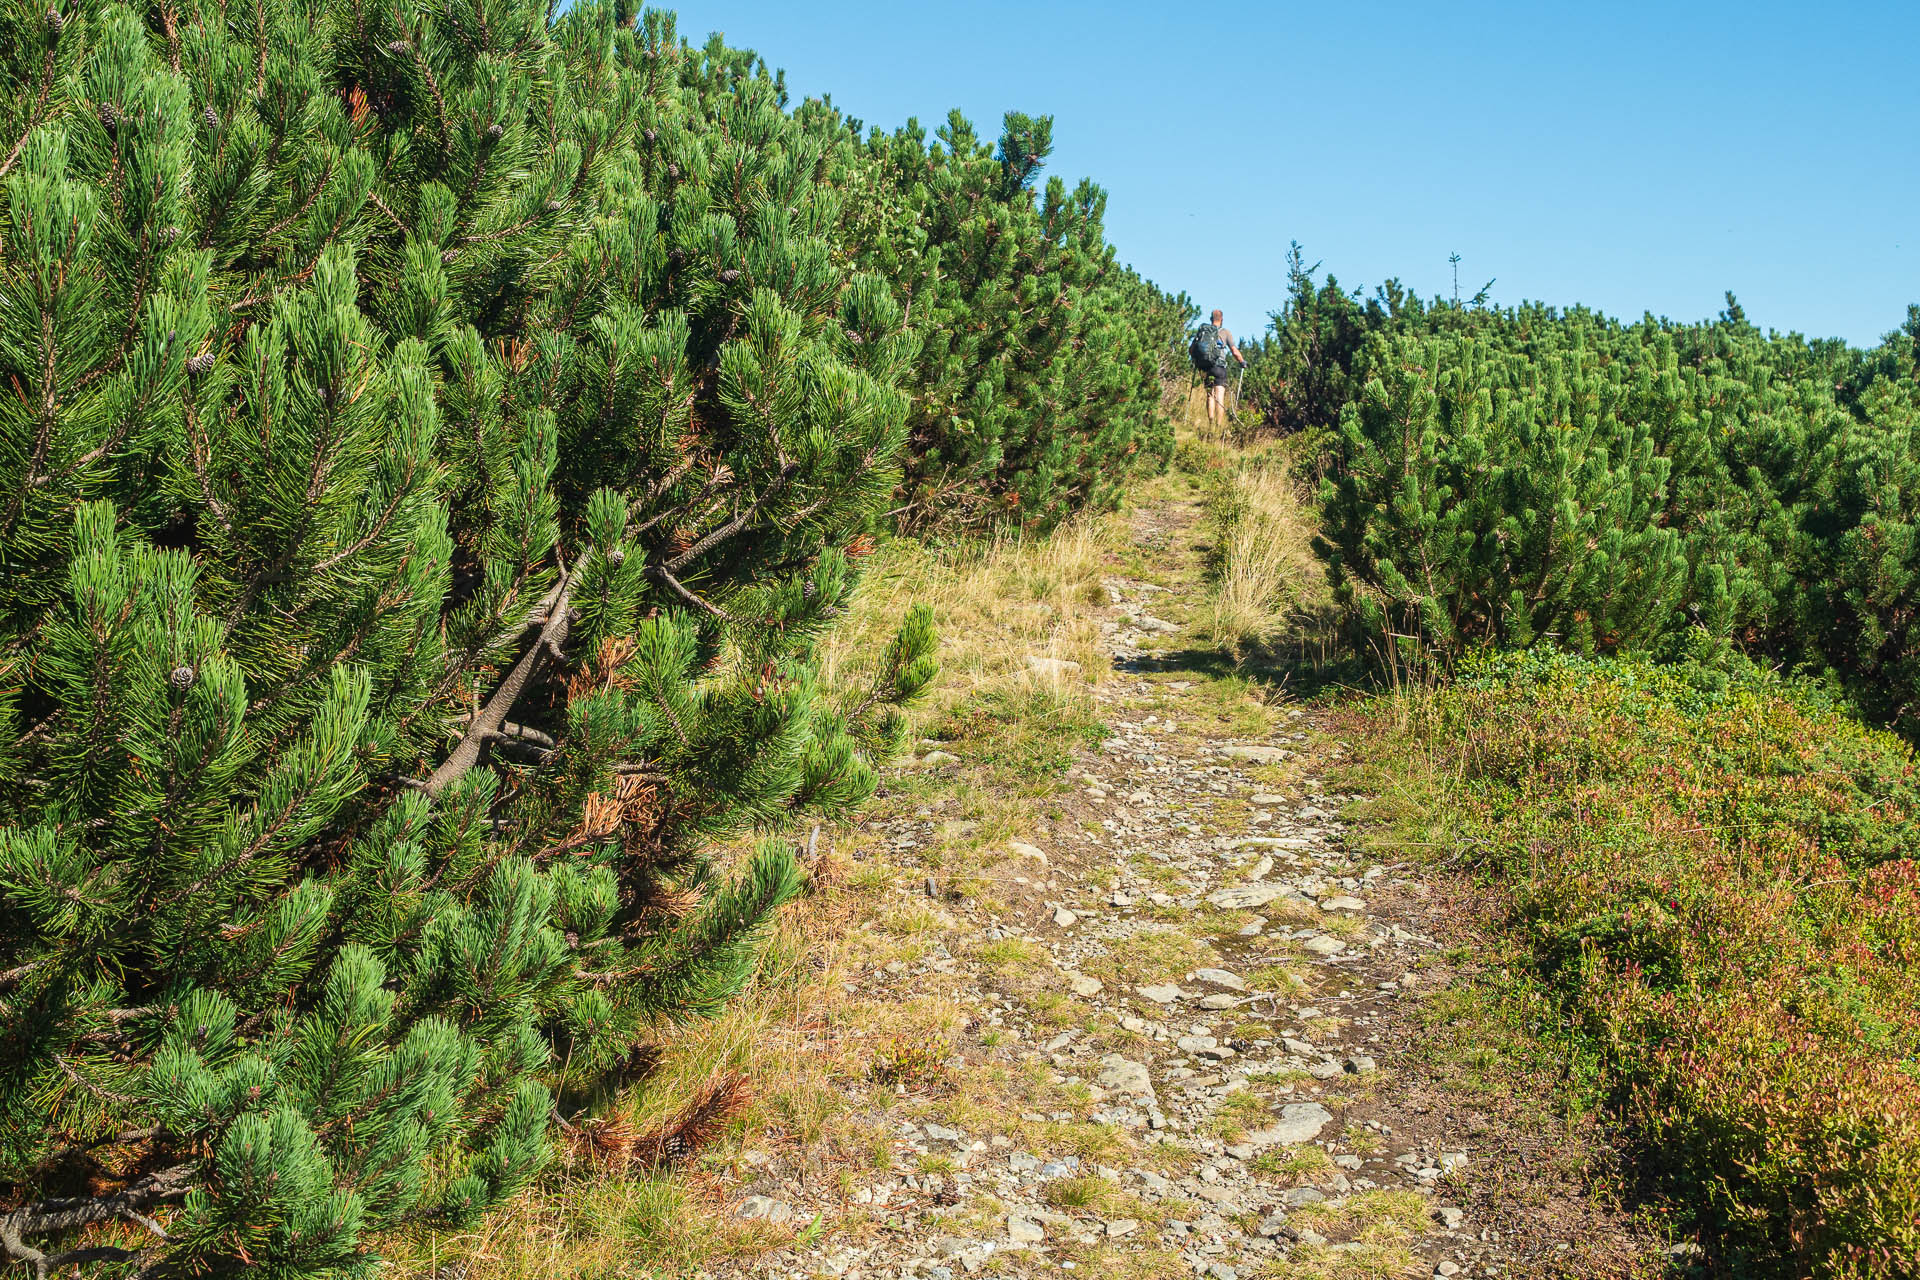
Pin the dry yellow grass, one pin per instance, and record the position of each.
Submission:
(995, 604)
(1265, 573)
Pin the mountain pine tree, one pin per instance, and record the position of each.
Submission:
(1472, 503)
(1037, 387)
(435, 441)
(1533, 474)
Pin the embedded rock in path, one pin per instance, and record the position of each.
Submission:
(1166, 993)
(1082, 985)
(1219, 978)
(1050, 668)
(1024, 1230)
(1247, 896)
(1343, 903)
(1299, 1122)
(1323, 945)
(1064, 918)
(755, 1208)
(1031, 852)
(1147, 622)
(1123, 1075)
(1257, 754)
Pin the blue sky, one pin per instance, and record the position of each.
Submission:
(1635, 157)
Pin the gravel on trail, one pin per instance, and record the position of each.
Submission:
(1350, 1158)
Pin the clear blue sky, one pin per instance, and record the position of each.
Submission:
(1633, 156)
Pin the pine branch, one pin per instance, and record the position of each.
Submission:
(33, 116)
(736, 524)
(66, 1214)
(509, 731)
(487, 725)
(660, 574)
(717, 477)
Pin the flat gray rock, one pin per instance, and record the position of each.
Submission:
(763, 1208)
(1299, 1122)
(1123, 1075)
(1219, 978)
(1269, 842)
(1245, 897)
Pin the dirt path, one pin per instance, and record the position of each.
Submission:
(1195, 1029)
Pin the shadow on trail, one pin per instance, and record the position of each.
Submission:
(1297, 680)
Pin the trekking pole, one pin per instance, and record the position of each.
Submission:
(1238, 378)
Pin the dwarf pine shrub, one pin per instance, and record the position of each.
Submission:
(1512, 477)
(435, 440)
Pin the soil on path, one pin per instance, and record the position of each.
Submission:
(1199, 1032)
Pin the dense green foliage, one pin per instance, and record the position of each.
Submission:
(1712, 873)
(1506, 476)
(1038, 384)
(435, 442)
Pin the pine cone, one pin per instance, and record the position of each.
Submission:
(495, 131)
(212, 118)
(808, 591)
(181, 677)
(617, 557)
(730, 275)
(109, 116)
(197, 365)
(55, 23)
(650, 134)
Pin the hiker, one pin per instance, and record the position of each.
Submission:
(1211, 347)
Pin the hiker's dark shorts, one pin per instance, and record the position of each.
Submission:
(1220, 377)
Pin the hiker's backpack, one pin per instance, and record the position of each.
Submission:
(1204, 350)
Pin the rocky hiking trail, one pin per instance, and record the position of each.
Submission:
(1190, 1025)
